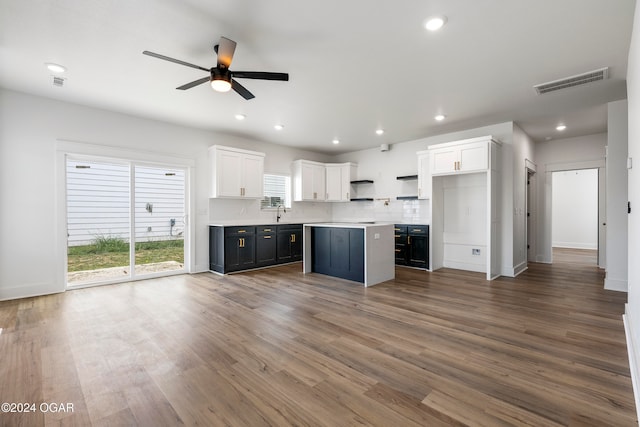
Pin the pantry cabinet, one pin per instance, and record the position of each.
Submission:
(465, 205)
(236, 173)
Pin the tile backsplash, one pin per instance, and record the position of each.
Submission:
(393, 211)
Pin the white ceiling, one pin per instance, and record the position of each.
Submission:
(354, 65)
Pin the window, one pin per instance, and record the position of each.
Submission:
(277, 191)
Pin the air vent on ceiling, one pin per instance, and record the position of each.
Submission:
(58, 81)
(580, 79)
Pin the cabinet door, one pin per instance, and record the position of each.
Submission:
(308, 172)
(239, 252)
(334, 183)
(443, 160)
(228, 174)
(319, 185)
(424, 177)
(252, 174)
(216, 249)
(289, 244)
(474, 157)
(265, 249)
(296, 244)
(418, 246)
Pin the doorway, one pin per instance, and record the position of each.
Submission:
(125, 220)
(575, 213)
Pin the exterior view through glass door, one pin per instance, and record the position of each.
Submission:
(111, 204)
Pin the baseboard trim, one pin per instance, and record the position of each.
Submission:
(632, 353)
(520, 268)
(616, 285)
(29, 291)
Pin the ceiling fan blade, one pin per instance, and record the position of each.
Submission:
(242, 91)
(194, 83)
(262, 75)
(225, 51)
(177, 61)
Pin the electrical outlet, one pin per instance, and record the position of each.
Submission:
(475, 251)
(148, 229)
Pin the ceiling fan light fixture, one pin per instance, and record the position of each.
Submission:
(220, 80)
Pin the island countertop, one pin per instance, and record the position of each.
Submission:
(363, 225)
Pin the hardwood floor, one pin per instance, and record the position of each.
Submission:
(575, 256)
(276, 347)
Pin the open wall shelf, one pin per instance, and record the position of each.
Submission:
(362, 181)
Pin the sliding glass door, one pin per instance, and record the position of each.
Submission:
(124, 220)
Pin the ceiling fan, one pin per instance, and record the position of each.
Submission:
(222, 79)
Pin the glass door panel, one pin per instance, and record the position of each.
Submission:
(159, 218)
(98, 221)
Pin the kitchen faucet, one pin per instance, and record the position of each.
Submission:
(278, 216)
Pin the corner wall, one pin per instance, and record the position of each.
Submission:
(632, 312)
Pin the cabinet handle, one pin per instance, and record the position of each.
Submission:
(315, 195)
(242, 231)
(293, 238)
(241, 242)
(266, 229)
(417, 230)
(266, 237)
(398, 250)
(347, 195)
(408, 240)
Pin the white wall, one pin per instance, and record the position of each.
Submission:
(616, 200)
(575, 209)
(632, 312)
(30, 127)
(523, 154)
(561, 154)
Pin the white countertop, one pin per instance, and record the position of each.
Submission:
(348, 224)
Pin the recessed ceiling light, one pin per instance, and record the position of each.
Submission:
(278, 127)
(379, 131)
(440, 117)
(336, 141)
(240, 116)
(55, 68)
(435, 23)
(560, 128)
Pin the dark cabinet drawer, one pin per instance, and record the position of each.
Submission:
(239, 230)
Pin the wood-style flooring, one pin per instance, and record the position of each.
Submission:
(575, 256)
(276, 347)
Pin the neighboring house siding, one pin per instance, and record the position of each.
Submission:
(98, 202)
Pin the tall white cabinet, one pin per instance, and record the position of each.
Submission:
(465, 205)
(236, 173)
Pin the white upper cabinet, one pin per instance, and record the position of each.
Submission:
(339, 176)
(424, 175)
(308, 181)
(236, 173)
(471, 155)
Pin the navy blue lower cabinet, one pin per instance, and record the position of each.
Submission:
(412, 245)
(289, 247)
(338, 252)
(266, 246)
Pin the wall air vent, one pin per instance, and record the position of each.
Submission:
(580, 79)
(58, 81)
